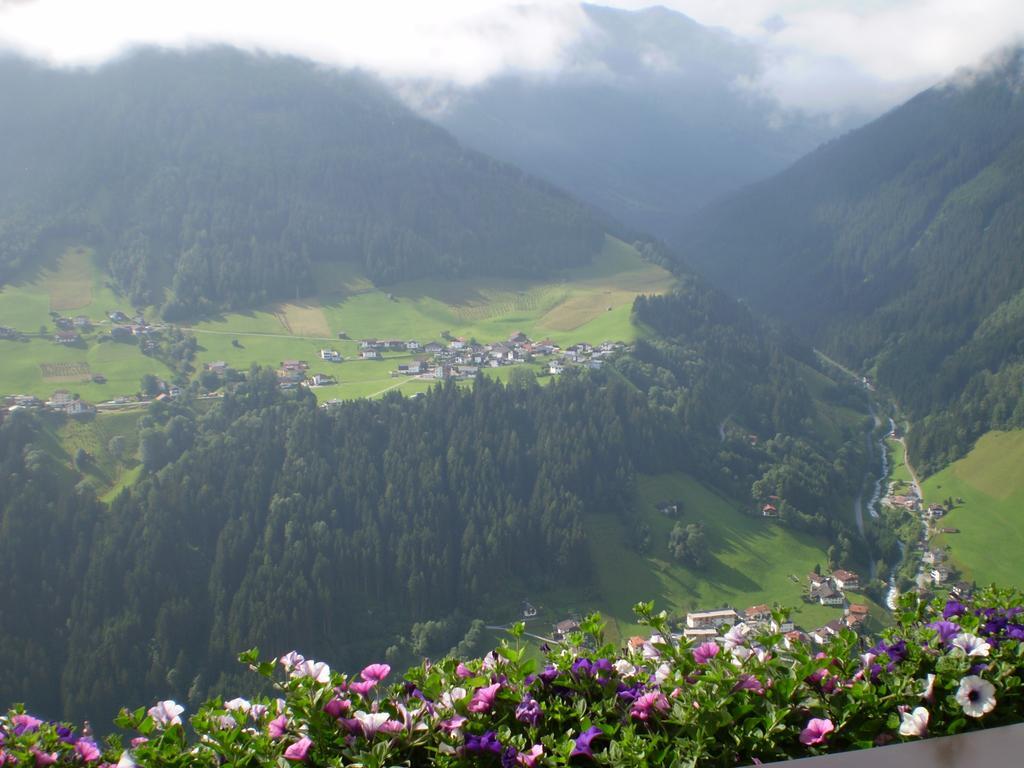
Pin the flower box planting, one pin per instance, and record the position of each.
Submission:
(751, 696)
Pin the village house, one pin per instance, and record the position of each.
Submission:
(846, 579)
(320, 380)
(761, 612)
(935, 511)
(856, 615)
(564, 628)
(66, 337)
(218, 366)
(555, 368)
(816, 579)
(7, 333)
(81, 321)
(413, 346)
(370, 354)
(294, 365)
(330, 355)
(828, 594)
(700, 633)
(769, 510)
(823, 634)
(939, 575)
(368, 344)
(61, 398)
(711, 619)
(432, 348)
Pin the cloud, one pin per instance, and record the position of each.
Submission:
(860, 55)
(830, 56)
(463, 41)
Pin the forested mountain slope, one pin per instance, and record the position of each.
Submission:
(214, 179)
(649, 119)
(387, 525)
(899, 247)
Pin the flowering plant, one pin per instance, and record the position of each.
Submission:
(753, 695)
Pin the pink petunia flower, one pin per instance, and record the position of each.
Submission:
(87, 750)
(278, 727)
(375, 672)
(299, 750)
(483, 698)
(816, 731)
(705, 652)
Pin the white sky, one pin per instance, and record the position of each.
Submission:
(822, 55)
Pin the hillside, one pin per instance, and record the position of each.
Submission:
(387, 526)
(215, 179)
(648, 120)
(897, 248)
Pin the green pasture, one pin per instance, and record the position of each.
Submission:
(990, 480)
(752, 561)
(898, 471)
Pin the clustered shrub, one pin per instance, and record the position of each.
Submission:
(944, 668)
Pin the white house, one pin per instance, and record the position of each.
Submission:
(711, 619)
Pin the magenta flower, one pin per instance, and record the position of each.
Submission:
(463, 671)
(278, 727)
(529, 758)
(748, 683)
(335, 707)
(88, 750)
(483, 698)
(375, 672)
(25, 724)
(649, 704)
(362, 687)
(705, 652)
(816, 731)
(43, 758)
(299, 750)
(452, 724)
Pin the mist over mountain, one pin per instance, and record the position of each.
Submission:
(216, 179)
(899, 247)
(654, 118)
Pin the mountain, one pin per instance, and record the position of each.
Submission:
(898, 247)
(215, 179)
(652, 118)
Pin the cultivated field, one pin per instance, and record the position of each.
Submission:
(990, 480)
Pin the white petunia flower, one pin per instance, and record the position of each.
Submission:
(166, 713)
(624, 668)
(976, 695)
(914, 723)
(971, 645)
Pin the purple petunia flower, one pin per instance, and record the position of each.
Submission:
(362, 687)
(548, 675)
(488, 742)
(705, 652)
(816, 731)
(528, 711)
(953, 608)
(508, 757)
(335, 707)
(946, 630)
(583, 746)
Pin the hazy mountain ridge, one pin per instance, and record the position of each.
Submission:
(219, 177)
(891, 246)
(652, 118)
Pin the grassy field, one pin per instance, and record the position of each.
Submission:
(753, 561)
(990, 480)
(898, 471)
(585, 304)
